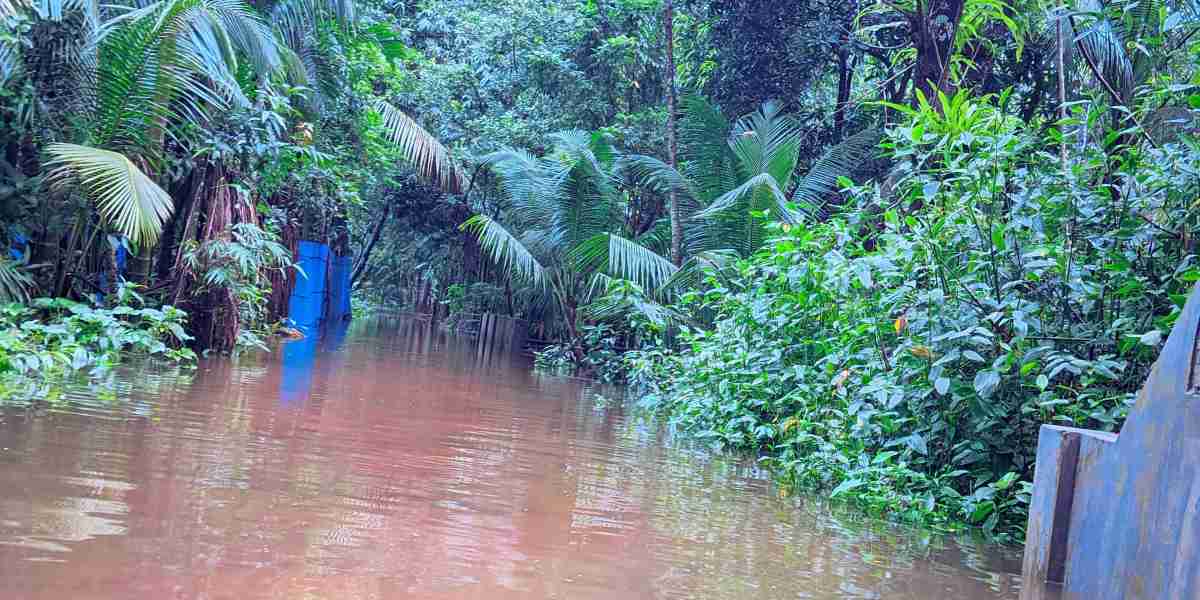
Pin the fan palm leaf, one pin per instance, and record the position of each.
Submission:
(128, 200)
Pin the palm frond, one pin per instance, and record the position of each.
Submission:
(128, 200)
(652, 173)
(505, 249)
(623, 258)
(1102, 44)
(532, 187)
(767, 141)
(759, 182)
(15, 283)
(10, 63)
(695, 267)
(840, 160)
(621, 298)
(704, 141)
(431, 158)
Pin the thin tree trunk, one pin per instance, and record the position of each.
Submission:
(1062, 83)
(845, 77)
(672, 149)
(361, 267)
(934, 27)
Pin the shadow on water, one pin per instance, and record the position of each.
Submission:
(391, 460)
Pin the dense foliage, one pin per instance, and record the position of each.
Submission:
(52, 338)
(904, 352)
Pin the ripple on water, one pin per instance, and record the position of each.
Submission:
(402, 463)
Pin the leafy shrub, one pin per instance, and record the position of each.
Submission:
(236, 268)
(905, 353)
(603, 357)
(51, 338)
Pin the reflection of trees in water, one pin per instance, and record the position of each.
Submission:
(413, 468)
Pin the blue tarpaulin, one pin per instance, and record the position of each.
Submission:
(296, 376)
(339, 289)
(322, 293)
(307, 304)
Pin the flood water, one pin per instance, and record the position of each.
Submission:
(393, 462)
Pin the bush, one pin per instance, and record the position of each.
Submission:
(904, 353)
(52, 338)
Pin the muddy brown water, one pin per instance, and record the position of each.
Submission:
(393, 462)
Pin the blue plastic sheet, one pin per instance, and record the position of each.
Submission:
(322, 293)
(307, 304)
(339, 289)
(296, 376)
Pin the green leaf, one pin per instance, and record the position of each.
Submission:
(1151, 338)
(431, 158)
(942, 385)
(846, 486)
(986, 382)
(916, 442)
(127, 199)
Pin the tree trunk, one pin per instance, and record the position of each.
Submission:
(672, 149)
(1062, 83)
(934, 27)
(845, 79)
(361, 267)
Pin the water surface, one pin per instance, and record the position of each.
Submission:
(392, 462)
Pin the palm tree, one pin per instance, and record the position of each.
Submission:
(735, 178)
(130, 76)
(560, 231)
(168, 62)
(1120, 43)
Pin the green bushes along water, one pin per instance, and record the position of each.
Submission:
(903, 353)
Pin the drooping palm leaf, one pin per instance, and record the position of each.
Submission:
(623, 258)
(15, 283)
(653, 173)
(619, 298)
(505, 249)
(531, 187)
(822, 177)
(431, 158)
(762, 182)
(128, 200)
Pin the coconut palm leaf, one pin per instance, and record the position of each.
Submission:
(623, 258)
(704, 142)
(822, 177)
(505, 249)
(15, 283)
(128, 200)
(654, 174)
(1101, 44)
(620, 297)
(756, 184)
(531, 187)
(431, 158)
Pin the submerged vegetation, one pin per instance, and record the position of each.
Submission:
(49, 339)
(878, 243)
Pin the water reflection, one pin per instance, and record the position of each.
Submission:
(402, 463)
